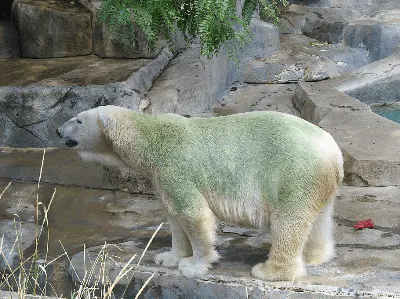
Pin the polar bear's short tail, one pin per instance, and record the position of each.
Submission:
(340, 171)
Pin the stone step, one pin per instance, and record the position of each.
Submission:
(63, 166)
(9, 40)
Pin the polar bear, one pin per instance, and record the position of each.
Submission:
(268, 170)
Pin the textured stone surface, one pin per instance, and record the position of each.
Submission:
(15, 237)
(257, 97)
(53, 28)
(191, 83)
(29, 115)
(323, 24)
(65, 167)
(304, 59)
(371, 158)
(16, 295)
(79, 70)
(181, 88)
(374, 83)
(9, 40)
(364, 7)
(379, 37)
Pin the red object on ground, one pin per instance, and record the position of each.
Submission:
(364, 224)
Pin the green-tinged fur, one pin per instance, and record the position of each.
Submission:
(228, 156)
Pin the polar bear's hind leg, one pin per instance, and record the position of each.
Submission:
(319, 248)
(289, 235)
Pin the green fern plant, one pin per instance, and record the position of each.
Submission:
(214, 22)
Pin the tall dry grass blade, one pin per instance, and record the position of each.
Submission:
(148, 244)
(37, 221)
(143, 253)
(144, 285)
(69, 260)
(5, 189)
(120, 275)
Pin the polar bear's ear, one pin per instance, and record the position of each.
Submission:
(104, 119)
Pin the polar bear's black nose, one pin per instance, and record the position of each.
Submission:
(58, 133)
(71, 143)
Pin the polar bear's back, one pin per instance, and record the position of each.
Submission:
(272, 150)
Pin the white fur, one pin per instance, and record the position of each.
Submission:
(108, 134)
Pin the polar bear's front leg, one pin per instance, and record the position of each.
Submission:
(180, 246)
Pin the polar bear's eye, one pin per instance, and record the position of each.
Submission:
(79, 122)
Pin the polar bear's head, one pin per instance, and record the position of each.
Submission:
(87, 133)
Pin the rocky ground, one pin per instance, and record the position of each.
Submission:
(328, 54)
(367, 262)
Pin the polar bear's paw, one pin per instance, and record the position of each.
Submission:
(271, 272)
(192, 267)
(168, 259)
(319, 255)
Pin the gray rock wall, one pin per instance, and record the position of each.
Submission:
(29, 115)
(53, 28)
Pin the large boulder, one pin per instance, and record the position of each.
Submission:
(53, 28)
(9, 40)
(365, 7)
(380, 38)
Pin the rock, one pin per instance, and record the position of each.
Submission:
(53, 28)
(381, 204)
(19, 204)
(191, 83)
(31, 114)
(181, 88)
(304, 59)
(67, 71)
(9, 40)
(323, 24)
(16, 236)
(107, 44)
(370, 157)
(379, 38)
(366, 8)
(257, 97)
(16, 295)
(374, 83)
(142, 80)
(65, 167)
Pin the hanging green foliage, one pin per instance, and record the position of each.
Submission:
(214, 22)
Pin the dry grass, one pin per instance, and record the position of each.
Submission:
(30, 277)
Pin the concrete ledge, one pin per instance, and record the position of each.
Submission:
(370, 143)
(65, 167)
